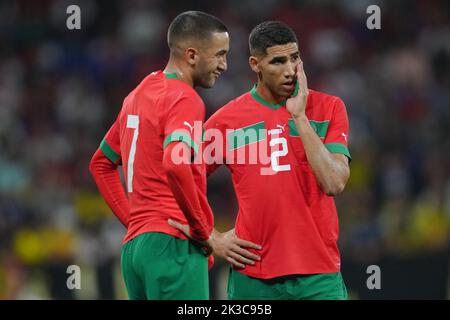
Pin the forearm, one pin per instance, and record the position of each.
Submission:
(181, 182)
(107, 178)
(331, 175)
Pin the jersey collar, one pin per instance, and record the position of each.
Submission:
(171, 75)
(262, 101)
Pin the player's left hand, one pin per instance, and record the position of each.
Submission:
(225, 245)
(234, 249)
(297, 105)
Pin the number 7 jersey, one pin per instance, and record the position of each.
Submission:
(160, 110)
(281, 205)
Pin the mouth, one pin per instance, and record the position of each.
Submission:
(216, 74)
(289, 86)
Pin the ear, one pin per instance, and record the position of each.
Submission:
(253, 62)
(191, 56)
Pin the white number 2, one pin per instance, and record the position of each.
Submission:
(132, 123)
(280, 153)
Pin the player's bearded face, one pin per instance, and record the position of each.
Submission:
(277, 69)
(212, 60)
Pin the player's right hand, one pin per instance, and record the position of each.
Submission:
(231, 248)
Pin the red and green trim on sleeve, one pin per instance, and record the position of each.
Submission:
(113, 156)
(181, 136)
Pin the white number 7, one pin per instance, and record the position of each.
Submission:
(132, 123)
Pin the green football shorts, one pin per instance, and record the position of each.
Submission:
(325, 286)
(157, 266)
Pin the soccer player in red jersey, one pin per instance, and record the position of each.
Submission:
(155, 126)
(285, 201)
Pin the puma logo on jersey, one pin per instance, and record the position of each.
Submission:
(281, 126)
(191, 128)
(345, 136)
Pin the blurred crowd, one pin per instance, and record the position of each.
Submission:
(61, 89)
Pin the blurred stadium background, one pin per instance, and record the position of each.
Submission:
(61, 89)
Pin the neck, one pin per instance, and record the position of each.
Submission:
(183, 73)
(265, 93)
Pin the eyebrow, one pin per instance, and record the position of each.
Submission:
(283, 59)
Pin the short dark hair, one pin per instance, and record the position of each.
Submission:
(193, 25)
(268, 34)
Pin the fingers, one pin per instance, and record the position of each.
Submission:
(175, 224)
(298, 68)
(241, 259)
(240, 243)
(246, 253)
(301, 78)
(182, 227)
(235, 263)
(247, 244)
(233, 250)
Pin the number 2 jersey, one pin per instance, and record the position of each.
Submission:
(160, 110)
(281, 205)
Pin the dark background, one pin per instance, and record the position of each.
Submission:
(61, 89)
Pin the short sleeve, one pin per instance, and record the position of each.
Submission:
(336, 139)
(110, 145)
(184, 122)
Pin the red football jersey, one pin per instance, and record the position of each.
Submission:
(161, 109)
(281, 205)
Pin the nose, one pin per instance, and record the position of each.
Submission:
(222, 66)
(290, 70)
